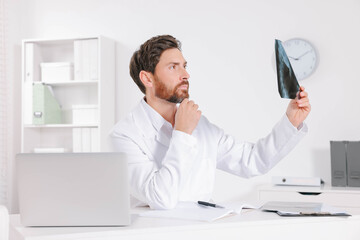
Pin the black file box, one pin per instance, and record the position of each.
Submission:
(353, 164)
(338, 163)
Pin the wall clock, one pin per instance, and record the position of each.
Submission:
(302, 56)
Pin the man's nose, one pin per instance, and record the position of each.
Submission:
(185, 74)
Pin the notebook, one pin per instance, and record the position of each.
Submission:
(73, 189)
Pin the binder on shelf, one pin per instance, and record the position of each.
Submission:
(94, 142)
(32, 57)
(353, 164)
(77, 140)
(86, 140)
(32, 73)
(338, 163)
(46, 109)
(86, 60)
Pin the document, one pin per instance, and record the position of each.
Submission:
(194, 211)
(288, 85)
(293, 209)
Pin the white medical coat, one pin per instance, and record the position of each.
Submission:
(167, 166)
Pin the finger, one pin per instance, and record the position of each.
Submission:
(299, 94)
(303, 94)
(196, 106)
(185, 101)
(191, 103)
(304, 99)
(304, 104)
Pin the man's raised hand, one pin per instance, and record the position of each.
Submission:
(187, 116)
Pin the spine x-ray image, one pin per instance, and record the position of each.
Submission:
(287, 83)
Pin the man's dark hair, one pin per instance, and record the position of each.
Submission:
(148, 56)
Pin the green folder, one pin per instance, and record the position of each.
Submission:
(46, 109)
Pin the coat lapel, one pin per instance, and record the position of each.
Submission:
(164, 135)
(151, 137)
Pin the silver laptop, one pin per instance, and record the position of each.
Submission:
(73, 189)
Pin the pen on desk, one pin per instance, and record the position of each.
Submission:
(209, 204)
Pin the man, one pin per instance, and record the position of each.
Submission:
(174, 151)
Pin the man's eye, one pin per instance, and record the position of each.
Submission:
(172, 67)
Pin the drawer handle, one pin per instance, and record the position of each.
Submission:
(310, 193)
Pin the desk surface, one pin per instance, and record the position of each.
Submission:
(250, 223)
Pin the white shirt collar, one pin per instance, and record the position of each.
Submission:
(156, 119)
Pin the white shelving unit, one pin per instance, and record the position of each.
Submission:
(96, 88)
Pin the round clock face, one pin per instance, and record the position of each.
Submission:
(302, 56)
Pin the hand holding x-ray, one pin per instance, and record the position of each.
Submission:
(288, 86)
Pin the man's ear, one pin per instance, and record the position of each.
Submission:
(146, 78)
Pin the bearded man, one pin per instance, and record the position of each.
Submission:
(173, 150)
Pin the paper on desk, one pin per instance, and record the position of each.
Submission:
(190, 211)
(303, 209)
(196, 212)
(238, 205)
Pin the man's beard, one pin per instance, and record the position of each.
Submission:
(171, 95)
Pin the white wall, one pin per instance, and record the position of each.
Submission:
(229, 45)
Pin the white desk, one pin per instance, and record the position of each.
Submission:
(251, 224)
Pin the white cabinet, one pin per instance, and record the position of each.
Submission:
(79, 73)
(335, 196)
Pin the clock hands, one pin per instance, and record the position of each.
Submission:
(300, 55)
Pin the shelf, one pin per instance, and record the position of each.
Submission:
(62, 126)
(70, 83)
(90, 82)
(62, 41)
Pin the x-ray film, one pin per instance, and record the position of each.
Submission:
(287, 83)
